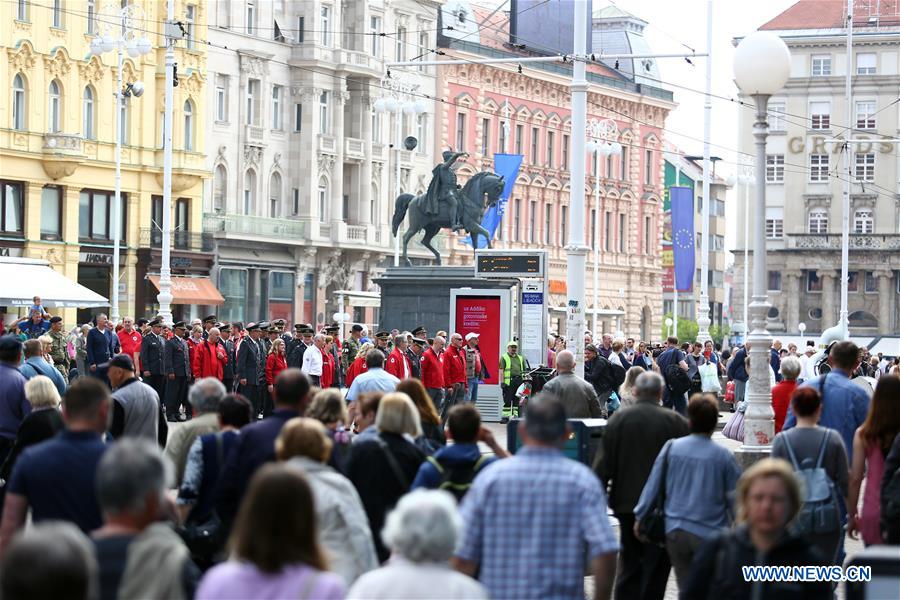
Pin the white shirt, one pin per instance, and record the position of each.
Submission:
(401, 579)
(312, 361)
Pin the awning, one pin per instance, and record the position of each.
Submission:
(21, 279)
(600, 312)
(192, 290)
(360, 299)
(888, 346)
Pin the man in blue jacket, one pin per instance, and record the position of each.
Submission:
(35, 365)
(97, 347)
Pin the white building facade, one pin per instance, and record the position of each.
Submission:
(303, 172)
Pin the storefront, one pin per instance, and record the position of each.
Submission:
(256, 284)
(194, 293)
(95, 272)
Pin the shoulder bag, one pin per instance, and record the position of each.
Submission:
(653, 525)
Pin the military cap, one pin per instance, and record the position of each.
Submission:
(299, 326)
(210, 319)
(419, 329)
(332, 328)
(264, 325)
(179, 325)
(279, 322)
(273, 329)
(56, 319)
(383, 335)
(307, 329)
(420, 342)
(251, 327)
(356, 327)
(155, 322)
(225, 327)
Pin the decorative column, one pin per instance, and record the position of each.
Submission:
(365, 171)
(828, 307)
(886, 300)
(338, 218)
(790, 290)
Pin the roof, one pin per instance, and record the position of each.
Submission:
(24, 278)
(831, 14)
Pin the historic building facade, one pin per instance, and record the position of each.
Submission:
(805, 180)
(625, 223)
(57, 142)
(303, 180)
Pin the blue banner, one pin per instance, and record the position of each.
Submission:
(683, 254)
(506, 165)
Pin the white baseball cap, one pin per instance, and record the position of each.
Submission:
(471, 335)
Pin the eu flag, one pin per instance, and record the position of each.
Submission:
(682, 200)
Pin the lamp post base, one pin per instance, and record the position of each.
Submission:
(759, 424)
(747, 457)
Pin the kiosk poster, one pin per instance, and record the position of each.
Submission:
(481, 314)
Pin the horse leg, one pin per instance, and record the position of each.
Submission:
(487, 236)
(412, 231)
(430, 232)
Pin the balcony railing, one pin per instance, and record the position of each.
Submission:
(356, 234)
(832, 241)
(180, 240)
(264, 227)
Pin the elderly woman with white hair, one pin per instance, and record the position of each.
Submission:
(422, 532)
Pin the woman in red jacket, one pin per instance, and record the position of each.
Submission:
(209, 357)
(358, 366)
(327, 377)
(276, 362)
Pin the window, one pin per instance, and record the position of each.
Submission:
(820, 115)
(609, 166)
(774, 168)
(233, 285)
(221, 104)
(520, 136)
(276, 107)
(95, 210)
(623, 164)
(460, 131)
(88, 116)
(220, 189)
(57, 14)
(648, 167)
(776, 116)
(325, 25)
(18, 103)
(423, 49)
(621, 232)
(818, 168)
(54, 108)
(252, 108)
(532, 221)
(502, 133)
(607, 232)
(517, 220)
(275, 196)
(182, 224)
(593, 229)
(548, 215)
(648, 242)
(565, 154)
(563, 222)
(865, 114)
(12, 215)
(813, 282)
(251, 18)
(295, 201)
(249, 191)
(400, 45)
(871, 283)
(821, 65)
(374, 32)
(485, 136)
(298, 117)
(324, 124)
(535, 134)
(853, 281)
(323, 200)
(863, 221)
(866, 63)
(298, 34)
(51, 212)
(91, 17)
(865, 166)
(188, 125)
(818, 220)
(21, 10)
(123, 120)
(190, 15)
(422, 133)
(774, 223)
(551, 137)
(774, 281)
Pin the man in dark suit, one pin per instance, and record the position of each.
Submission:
(249, 365)
(256, 444)
(208, 323)
(228, 344)
(153, 360)
(178, 374)
(303, 333)
(97, 348)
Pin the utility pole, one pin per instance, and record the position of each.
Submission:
(165, 272)
(703, 316)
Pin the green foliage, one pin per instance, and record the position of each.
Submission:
(687, 329)
(719, 333)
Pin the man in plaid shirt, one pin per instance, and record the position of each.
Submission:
(533, 521)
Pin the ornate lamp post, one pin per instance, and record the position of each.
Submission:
(120, 28)
(602, 142)
(762, 64)
(399, 98)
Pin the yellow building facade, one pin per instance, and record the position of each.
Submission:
(58, 121)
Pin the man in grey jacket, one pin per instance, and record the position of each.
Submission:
(136, 411)
(578, 396)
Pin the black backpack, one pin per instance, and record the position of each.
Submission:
(457, 478)
(677, 380)
(607, 376)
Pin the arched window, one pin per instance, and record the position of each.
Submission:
(818, 220)
(323, 200)
(54, 108)
(18, 103)
(188, 125)
(864, 221)
(88, 117)
(220, 184)
(275, 195)
(249, 191)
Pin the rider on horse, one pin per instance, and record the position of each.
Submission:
(444, 188)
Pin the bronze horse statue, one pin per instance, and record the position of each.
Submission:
(480, 192)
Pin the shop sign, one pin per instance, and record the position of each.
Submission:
(93, 258)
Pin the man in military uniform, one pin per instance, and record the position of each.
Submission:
(208, 323)
(250, 362)
(351, 346)
(381, 342)
(444, 188)
(420, 332)
(264, 337)
(228, 344)
(414, 352)
(153, 359)
(178, 373)
(303, 340)
(58, 351)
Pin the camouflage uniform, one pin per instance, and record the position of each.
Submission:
(59, 353)
(350, 350)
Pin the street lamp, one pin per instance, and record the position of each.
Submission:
(120, 32)
(602, 142)
(399, 97)
(762, 65)
(669, 322)
(802, 328)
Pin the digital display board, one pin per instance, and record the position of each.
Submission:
(509, 264)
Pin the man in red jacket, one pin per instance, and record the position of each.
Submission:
(209, 357)
(433, 373)
(454, 374)
(397, 362)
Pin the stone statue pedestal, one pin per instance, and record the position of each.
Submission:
(413, 296)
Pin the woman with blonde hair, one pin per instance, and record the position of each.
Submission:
(768, 499)
(626, 390)
(46, 347)
(432, 438)
(358, 366)
(328, 407)
(305, 444)
(382, 467)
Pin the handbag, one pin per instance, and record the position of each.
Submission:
(709, 378)
(206, 538)
(734, 429)
(652, 526)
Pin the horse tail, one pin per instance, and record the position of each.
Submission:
(400, 206)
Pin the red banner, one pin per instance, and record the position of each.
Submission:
(481, 314)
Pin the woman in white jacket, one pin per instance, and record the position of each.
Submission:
(343, 526)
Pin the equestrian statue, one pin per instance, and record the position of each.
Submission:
(445, 204)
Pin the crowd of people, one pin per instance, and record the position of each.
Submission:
(315, 467)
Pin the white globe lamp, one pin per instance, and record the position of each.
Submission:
(762, 64)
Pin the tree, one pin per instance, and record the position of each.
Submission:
(687, 329)
(719, 333)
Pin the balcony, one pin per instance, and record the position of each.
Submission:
(62, 154)
(180, 240)
(356, 234)
(233, 226)
(354, 149)
(832, 241)
(254, 133)
(379, 151)
(348, 60)
(327, 144)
